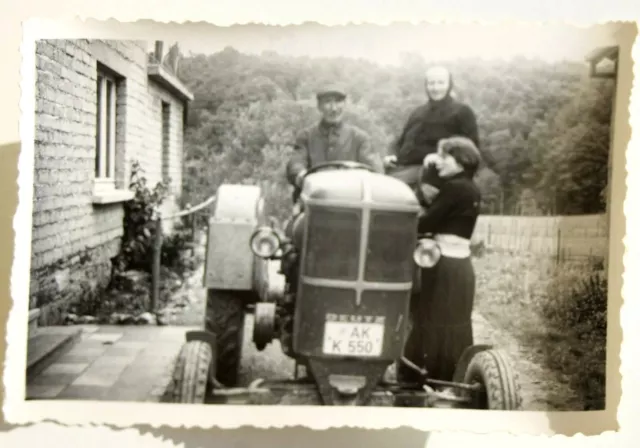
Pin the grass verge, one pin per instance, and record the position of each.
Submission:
(558, 312)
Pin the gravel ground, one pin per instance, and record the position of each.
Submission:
(542, 389)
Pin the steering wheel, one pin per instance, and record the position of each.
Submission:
(339, 164)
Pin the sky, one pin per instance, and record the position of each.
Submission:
(386, 44)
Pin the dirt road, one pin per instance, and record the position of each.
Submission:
(542, 389)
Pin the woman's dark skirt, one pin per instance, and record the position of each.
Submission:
(441, 319)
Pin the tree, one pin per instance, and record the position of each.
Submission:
(544, 127)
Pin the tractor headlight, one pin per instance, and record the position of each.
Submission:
(265, 242)
(427, 253)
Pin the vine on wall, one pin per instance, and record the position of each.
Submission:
(139, 227)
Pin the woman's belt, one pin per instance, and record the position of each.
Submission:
(453, 246)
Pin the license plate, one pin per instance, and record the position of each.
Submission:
(353, 339)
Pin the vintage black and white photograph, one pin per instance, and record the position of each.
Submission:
(383, 216)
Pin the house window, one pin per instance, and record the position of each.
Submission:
(105, 133)
(166, 146)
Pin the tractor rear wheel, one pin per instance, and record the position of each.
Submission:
(500, 388)
(191, 373)
(225, 318)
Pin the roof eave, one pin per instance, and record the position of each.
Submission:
(597, 55)
(164, 77)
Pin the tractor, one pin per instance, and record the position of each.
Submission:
(333, 285)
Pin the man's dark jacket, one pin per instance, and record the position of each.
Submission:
(326, 143)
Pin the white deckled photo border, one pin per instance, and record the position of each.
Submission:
(122, 414)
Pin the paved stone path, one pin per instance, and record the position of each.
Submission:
(113, 363)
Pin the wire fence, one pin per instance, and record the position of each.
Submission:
(563, 238)
(189, 218)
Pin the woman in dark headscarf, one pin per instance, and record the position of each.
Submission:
(440, 117)
(441, 315)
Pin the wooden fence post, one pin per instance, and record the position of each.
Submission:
(156, 263)
(194, 225)
(558, 246)
(191, 223)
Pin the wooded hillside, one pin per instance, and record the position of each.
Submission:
(544, 126)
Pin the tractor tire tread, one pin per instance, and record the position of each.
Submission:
(500, 380)
(225, 318)
(191, 373)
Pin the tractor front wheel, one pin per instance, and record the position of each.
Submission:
(500, 389)
(192, 372)
(225, 319)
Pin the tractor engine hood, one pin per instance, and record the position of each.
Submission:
(355, 188)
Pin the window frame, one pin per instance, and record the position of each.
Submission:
(105, 186)
(165, 119)
(106, 114)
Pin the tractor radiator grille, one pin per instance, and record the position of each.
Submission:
(392, 238)
(333, 243)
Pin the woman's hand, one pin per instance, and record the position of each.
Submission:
(429, 192)
(430, 159)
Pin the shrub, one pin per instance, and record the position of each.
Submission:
(576, 305)
(140, 230)
(136, 254)
(139, 227)
(557, 313)
(174, 250)
(577, 299)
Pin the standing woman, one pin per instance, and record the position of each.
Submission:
(440, 117)
(441, 327)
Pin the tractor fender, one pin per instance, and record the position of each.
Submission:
(272, 286)
(203, 336)
(465, 359)
(229, 264)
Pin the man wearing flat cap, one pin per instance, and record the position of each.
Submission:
(331, 139)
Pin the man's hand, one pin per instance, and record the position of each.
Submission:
(390, 161)
(300, 178)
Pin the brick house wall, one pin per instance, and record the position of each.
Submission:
(79, 195)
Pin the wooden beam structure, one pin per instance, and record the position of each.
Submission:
(597, 56)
